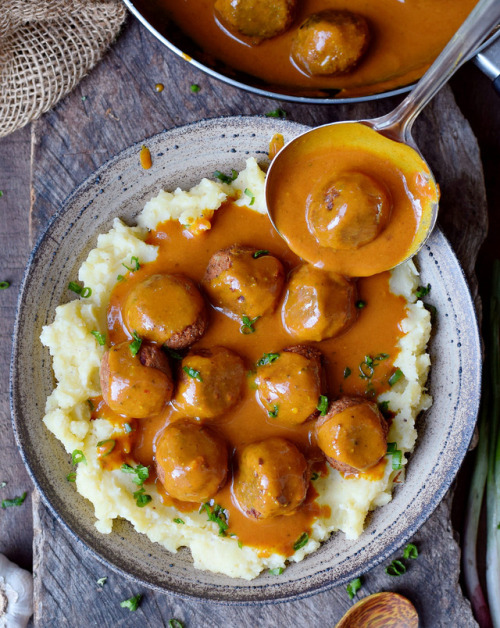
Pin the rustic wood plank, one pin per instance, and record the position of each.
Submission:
(117, 105)
(15, 523)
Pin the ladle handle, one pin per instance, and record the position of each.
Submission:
(480, 22)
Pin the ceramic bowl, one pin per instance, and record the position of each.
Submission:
(120, 187)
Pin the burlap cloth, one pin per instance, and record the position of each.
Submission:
(46, 47)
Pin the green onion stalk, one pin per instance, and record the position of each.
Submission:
(486, 476)
(493, 479)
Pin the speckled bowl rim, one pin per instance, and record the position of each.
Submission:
(326, 584)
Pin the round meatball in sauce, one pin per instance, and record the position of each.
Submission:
(257, 19)
(348, 212)
(243, 282)
(136, 386)
(167, 309)
(318, 305)
(210, 382)
(289, 384)
(352, 435)
(191, 461)
(272, 479)
(330, 42)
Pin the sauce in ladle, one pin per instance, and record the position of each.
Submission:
(349, 200)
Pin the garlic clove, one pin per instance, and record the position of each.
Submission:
(16, 595)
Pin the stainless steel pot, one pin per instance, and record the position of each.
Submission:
(487, 58)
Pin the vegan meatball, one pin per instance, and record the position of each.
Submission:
(289, 384)
(272, 479)
(167, 309)
(211, 381)
(353, 434)
(258, 19)
(136, 386)
(318, 305)
(349, 212)
(191, 461)
(330, 42)
(242, 282)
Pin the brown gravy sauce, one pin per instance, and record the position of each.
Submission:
(377, 330)
(406, 38)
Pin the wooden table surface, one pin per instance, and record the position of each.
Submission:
(113, 107)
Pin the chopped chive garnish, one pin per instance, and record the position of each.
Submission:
(84, 291)
(1, 193)
(226, 178)
(353, 587)
(410, 551)
(192, 373)
(396, 568)
(395, 377)
(173, 354)
(195, 88)
(136, 343)
(132, 603)
(141, 472)
(274, 412)
(102, 581)
(71, 477)
(268, 358)
(134, 261)
(322, 405)
(277, 571)
(240, 544)
(141, 499)
(16, 501)
(276, 113)
(78, 456)
(120, 278)
(347, 372)
(301, 541)
(177, 520)
(383, 406)
(247, 326)
(127, 427)
(91, 405)
(4, 285)
(250, 195)
(175, 623)
(105, 447)
(101, 338)
(422, 291)
(360, 304)
(314, 476)
(366, 369)
(260, 253)
(397, 455)
(218, 515)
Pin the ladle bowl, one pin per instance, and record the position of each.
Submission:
(395, 141)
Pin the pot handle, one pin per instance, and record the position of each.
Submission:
(488, 60)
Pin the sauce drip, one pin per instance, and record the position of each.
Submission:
(375, 331)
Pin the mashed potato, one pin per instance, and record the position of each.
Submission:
(76, 359)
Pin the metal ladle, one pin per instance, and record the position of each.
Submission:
(396, 126)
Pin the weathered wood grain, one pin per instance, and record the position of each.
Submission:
(117, 105)
(15, 523)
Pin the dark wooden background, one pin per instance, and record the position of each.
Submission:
(113, 107)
